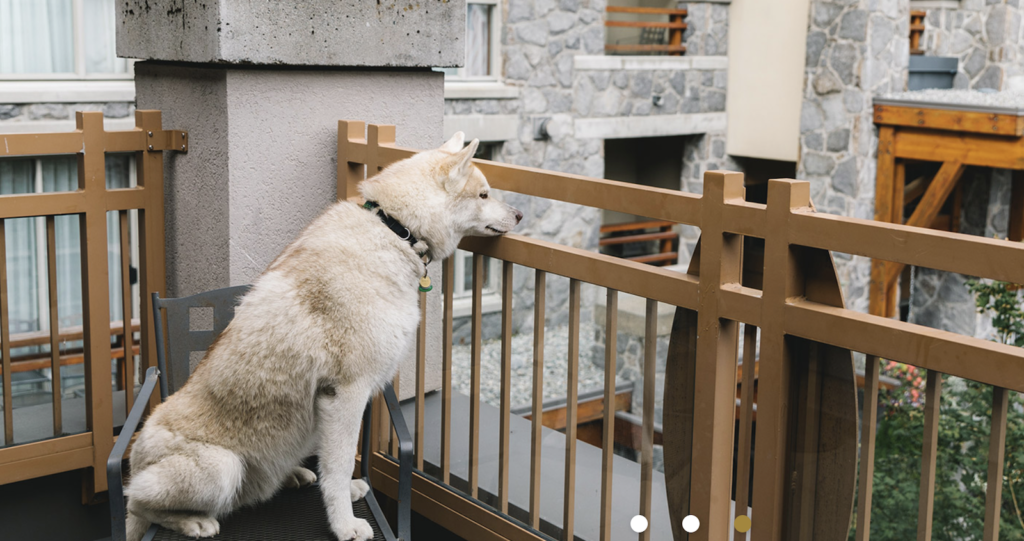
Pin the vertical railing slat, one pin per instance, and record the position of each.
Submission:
(149, 168)
(608, 435)
(536, 421)
(647, 430)
(126, 314)
(572, 374)
(51, 275)
(869, 418)
(996, 456)
(474, 392)
(447, 276)
(5, 339)
(421, 375)
(96, 293)
(714, 402)
(396, 385)
(775, 366)
(746, 423)
(929, 455)
(505, 407)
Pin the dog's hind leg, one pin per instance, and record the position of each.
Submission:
(188, 490)
(338, 427)
(299, 477)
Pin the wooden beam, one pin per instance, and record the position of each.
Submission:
(946, 119)
(884, 181)
(929, 207)
(971, 149)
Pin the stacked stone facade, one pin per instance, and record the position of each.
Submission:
(856, 49)
(540, 40)
(986, 37)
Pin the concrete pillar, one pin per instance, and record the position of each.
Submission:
(260, 87)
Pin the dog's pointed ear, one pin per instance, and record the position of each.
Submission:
(454, 144)
(460, 165)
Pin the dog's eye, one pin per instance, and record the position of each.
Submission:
(483, 195)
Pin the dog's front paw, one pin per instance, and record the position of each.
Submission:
(359, 489)
(355, 529)
(200, 527)
(299, 477)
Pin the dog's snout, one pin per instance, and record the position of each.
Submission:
(519, 215)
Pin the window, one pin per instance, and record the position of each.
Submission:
(27, 265)
(59, 39)
(483, 52)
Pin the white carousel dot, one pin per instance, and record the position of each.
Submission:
(638, 523)
(691, 523)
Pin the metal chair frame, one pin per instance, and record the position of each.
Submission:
(181, 343)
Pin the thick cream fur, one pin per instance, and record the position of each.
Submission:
(321, 330)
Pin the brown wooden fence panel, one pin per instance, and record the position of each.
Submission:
(806, 336)
(91, 201)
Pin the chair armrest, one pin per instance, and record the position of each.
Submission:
(405, 458)
(114, 479)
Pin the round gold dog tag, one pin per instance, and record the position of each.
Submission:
(425, 284)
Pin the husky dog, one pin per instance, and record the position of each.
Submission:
(323, 328)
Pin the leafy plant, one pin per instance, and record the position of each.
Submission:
(961, 474)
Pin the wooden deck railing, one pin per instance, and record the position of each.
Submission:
(90, 202)
(675, 27)
(805, 453)
(916, 31)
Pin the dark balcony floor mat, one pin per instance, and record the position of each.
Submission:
(292, 515)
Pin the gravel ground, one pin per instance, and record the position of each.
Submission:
(556, 347)
(1004, 99)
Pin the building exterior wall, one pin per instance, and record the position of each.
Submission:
(986, 37)
(856, 49)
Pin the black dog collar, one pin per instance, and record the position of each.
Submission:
(404, 234)
(393, 224)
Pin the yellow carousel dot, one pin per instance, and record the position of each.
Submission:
(742, 523)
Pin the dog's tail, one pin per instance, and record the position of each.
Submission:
(136, 527)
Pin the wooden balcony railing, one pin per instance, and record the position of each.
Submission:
(91, 202)
(805, 452)
(916, 31)
(652, 33)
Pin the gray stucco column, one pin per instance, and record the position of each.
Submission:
(260, 87)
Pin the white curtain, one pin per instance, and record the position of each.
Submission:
(100, 25)
(37, 36)
(18, 176)
(478, 40)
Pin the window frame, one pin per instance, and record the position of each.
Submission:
(462, 298)
(495, 49)
(78, 31)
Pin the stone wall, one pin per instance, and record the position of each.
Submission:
(856, 49)
(940, 299)
(987, 38)
(707, 31)
(29, 112)
(539, 42)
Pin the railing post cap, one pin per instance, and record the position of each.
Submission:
(728, 183)
(796, 192)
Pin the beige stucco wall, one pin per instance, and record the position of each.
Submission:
(767, 46)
